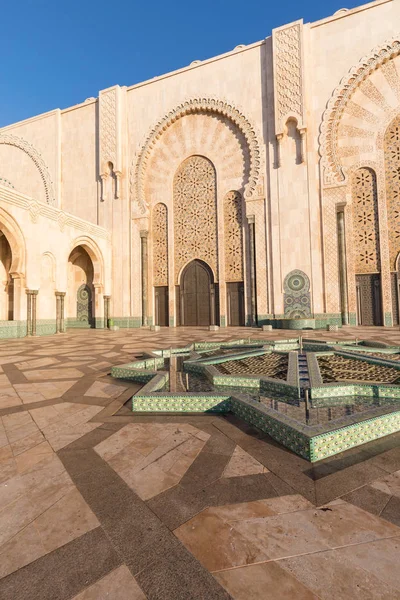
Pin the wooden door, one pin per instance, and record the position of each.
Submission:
(161, 306)
(196, 295)
(235, 298)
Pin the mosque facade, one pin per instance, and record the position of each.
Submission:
(260, 187)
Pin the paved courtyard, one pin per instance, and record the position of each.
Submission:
(96, 503)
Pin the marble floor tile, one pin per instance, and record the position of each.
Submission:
(117, 585)
(9, 397)
(381, 558)
(242, 463)
(243, 511)
(36, 363)
(28, 459)
(22, 549)
(67, 519)
(307, 531)
(104, 390)
(285, 504)
(15, 516)
(217, 544)
(45, 374)
(331, 575)
(389, 485)
(27, 443)
(262, 581)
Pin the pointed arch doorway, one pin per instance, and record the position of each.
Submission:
(197, 295)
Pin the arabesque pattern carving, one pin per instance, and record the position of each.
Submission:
(108, 131)
(233, 226)
(392, 168)
(332, 197)
(341, 100)
(6, 183)
(13, 140)
(160, 244)
(138, 173)
(195, 215)
(288, 74)
(365, 222)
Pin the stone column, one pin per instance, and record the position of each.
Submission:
(62, 312)
(253, 300)
(342, 267)
(34, 294)
(58, 309)
(106, 310)
(144, 265)
(212, 299)
(29, 313)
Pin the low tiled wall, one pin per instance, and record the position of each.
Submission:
(329, 444)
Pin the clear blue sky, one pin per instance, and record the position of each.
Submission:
(56, 53)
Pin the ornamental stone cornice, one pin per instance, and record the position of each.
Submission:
(332, 169)
(193, 106)
(13, 140)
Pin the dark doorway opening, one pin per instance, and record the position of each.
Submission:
(161, 306)
(235, 302)
(369, 303)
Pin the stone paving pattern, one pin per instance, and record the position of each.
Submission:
(98, 503)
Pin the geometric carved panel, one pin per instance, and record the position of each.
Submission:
(288, 74)
(233, 237)
(365, 222)
(392, 167)
(160, 245)
(195, 213)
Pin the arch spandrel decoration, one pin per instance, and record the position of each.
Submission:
(198, 105)
(296, 294)
(195, 213)
(13, 140)
(233, 226)
(334, 171)
(365, 222)
(392, 173)
(160, 245)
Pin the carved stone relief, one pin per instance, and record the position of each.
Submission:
(233, 227)
(365, 222)
(160, 245)
(392, 169)
(195, 217)
(288, 75)
(26, 147)
(195, 106)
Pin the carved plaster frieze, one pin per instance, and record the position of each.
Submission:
(13, 140)
(38, 209)
(193, 106)
(333, 171)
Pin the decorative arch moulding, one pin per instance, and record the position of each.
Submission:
(193, 106)
(17, 142)
(333, 173)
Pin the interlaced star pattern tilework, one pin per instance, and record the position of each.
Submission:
(160, 245)
(195, 221)
(233, 236)
(365, 217)
(392, 158)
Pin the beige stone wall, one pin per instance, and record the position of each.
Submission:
(41, 240)
(260, 114)
(79, 162)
